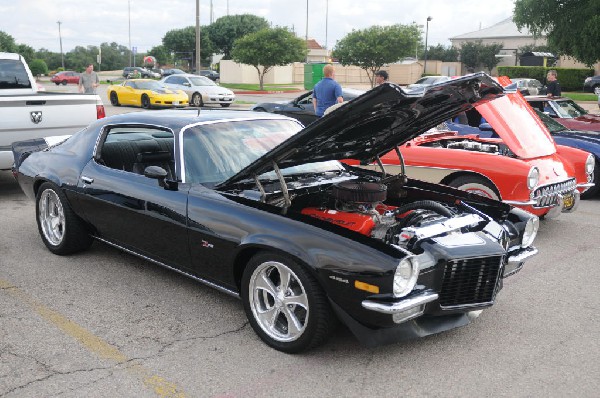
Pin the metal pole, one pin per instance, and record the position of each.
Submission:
(198, 62)
(62, 57)
(227, 7)
(326, 22)
(129, 13)
(425, 55)
(306, 38)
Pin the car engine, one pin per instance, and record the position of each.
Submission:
(359, 206)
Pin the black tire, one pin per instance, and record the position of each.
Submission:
(225, 105)
(476, 185)
(302, 301)
(197, 100)
(259, 109)
(64, 82)
(62, 231)
(593, 191)
(114, 99)
(145, 101)
(57, 83)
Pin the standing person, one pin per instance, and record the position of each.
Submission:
(88, 81)
(381, 77)
(553, 85)
(327, 92)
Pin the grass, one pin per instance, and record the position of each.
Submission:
(579, 96)
(256, 87)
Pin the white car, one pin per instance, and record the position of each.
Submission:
(200, 90)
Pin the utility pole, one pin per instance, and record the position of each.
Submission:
(326, 23)
(129, 13)
(306, 44)
(62, 57)
(198, 62)
(425, 55)
(212, 15)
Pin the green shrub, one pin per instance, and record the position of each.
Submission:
(570, 79)
(38, 67)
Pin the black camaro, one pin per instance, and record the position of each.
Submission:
(257, 207)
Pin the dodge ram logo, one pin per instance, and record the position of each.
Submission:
(36, 116)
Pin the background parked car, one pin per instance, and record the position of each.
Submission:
(128, 72)
(172, 71)
(211, 74)
(200, 90)
(301, 108)
(528, 86)
(427, 81)
(64, 77)
(567, 112)
(592, 85)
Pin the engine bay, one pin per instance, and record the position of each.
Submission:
(472, 145)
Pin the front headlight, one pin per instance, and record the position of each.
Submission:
(406, 276)
(533, 177)
(531, 230)
(590, 163)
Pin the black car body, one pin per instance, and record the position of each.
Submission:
(301, 107)
(211, 74)
(145, 73)
(273, 217)
(592, 84)
(171, 71)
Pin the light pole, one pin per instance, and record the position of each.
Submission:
(129, 13)
(417, 43)
(62, 57)
(306, 38)
(198, 62)
(326, 23)
(425, 55)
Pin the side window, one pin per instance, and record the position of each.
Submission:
(306, 100)
(170, 80)
(132, 149)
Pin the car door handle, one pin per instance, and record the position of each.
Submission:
(87, 180)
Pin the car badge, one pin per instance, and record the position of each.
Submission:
(36, 117)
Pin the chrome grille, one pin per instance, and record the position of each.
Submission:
(470, 282)
(548, 195)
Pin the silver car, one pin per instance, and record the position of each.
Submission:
(200, 90)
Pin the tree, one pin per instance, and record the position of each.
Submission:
(182, 42)
(572, 27)
(226, 30)
(475, 54)
(268, 48)
(7, 43)
(162, 55)
(376, 46)
(27, 52)
(488, 54)
(38, 67)
(441, 53)
(52, 59)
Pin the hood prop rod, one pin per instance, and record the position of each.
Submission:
(402, 166)
(284, 188)
(383, 173)
(263, 194)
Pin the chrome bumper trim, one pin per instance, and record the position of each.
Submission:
(520, 203)
(392, 308)
(586, 185)
(515, 263)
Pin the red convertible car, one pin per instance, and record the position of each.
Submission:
(526, 170)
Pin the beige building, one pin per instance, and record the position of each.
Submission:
(506, 32)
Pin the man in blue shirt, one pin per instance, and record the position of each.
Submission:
(327, 92)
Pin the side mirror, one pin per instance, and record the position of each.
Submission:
(187, 84)
(485, 127)
(160, 174)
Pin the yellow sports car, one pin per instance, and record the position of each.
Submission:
(145, 93)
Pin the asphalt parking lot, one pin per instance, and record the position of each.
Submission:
(103, 323)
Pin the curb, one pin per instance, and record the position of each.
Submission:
(266, 92)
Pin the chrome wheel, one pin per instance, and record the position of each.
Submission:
(52, 217)
(196, 99)
(278, 301)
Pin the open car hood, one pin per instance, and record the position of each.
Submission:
(374, 123)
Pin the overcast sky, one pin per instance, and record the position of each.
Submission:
(34, 22)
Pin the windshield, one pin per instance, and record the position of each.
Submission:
(13, 74)
(569, 109)
(149, 85)
(202, 81)
(214, 152)
(553, 125)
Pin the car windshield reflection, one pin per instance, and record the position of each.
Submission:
(202, 81)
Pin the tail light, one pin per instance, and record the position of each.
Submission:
(100, 113)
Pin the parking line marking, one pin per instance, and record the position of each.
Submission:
(95, 344)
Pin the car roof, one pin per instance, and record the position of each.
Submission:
(176, 119)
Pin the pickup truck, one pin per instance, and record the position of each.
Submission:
(26, 114)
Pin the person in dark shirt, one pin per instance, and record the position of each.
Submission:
(327, 92)
(553, 86)
(381, 77)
